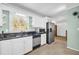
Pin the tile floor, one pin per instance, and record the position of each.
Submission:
(59, 47)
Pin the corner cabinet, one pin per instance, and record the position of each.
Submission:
(16, 46)
(43, 39)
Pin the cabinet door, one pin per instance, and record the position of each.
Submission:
(33, 22)
(6, 47)
(43, 39)
(18, 46)
(36, 22)
(28, 44)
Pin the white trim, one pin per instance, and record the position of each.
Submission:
(73, 49)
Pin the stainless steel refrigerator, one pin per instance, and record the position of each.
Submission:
(50, 32)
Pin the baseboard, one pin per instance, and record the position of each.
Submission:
(73, 49)
(27, 53)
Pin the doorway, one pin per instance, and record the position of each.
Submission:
(55, 30)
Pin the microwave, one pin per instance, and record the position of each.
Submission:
(42, 30)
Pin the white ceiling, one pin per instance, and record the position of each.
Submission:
(54, 10)
(46, 9)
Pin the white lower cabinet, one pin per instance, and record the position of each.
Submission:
(6, 47)
(16, 46)
(28, 44)
(43, 39)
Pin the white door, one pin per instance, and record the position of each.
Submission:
(28, 44)
(18, 46)
(6, 47)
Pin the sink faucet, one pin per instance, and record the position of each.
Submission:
(2, 34)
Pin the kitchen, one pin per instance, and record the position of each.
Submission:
(24, 31)
(20, 31)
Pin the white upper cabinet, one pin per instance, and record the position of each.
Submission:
(35, 22)
(39, 22)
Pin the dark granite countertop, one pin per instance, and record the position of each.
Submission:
(8, 36)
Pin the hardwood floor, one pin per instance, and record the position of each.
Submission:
(59, 47)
